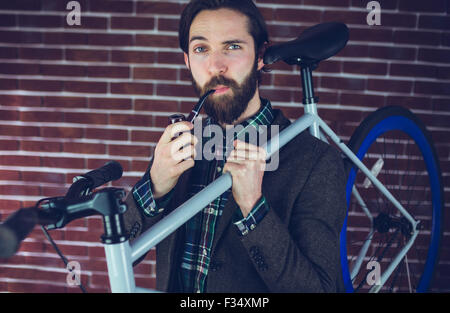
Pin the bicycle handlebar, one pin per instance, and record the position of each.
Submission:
(15, 229)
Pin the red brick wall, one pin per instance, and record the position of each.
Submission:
(74, 97)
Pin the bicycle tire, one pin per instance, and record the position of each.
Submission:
(401, 133)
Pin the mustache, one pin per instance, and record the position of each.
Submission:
(220, 80)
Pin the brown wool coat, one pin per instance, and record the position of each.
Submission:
(295, 248)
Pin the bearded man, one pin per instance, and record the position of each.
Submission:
(273, 231)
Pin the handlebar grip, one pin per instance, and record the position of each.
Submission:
(15, 229)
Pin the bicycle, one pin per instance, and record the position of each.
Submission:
(395, 225)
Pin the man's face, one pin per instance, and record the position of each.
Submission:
(222, 57)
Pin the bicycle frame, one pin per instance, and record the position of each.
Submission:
(121, 256)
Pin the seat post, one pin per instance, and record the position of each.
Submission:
(309, 99)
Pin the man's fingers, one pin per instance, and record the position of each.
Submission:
(185, 153)
(241, 155)
(174, 129)
(181, 167)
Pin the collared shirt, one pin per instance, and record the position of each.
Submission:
(200, 230)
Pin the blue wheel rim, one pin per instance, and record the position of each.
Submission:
(409, 127)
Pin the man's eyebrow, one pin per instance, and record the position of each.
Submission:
(227, 42)
(197, 38)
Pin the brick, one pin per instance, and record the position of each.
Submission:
(11, 130)
(434, 55)
(145, 136)
(437, 88)
(352, 50)
(168, 24)
(111, 6)
(62, 70)
(139, 166)
(40, 53)
(106, 134)
(61, 162)
(65, 38)
(64, 102)
(390, 85)
(19, 69)
(347, 17)
(131, 120)
(371, 34)
(416, 37)
(28, 5)
(41, 85)
(154, 73)
(42, 177)
(53, 21)
(384, 4)
(158, 8)
(41, 116)
(164, 57)
(374, 68)
(19, 160)
(175, 90)
(9, 145)
(157, 41)
(8, 52)
(392, 53)
(434, 22)
(110, 103)
(7, 20)
(132, 88)
(85, 118)
(287, 80)
(133, 151)
(90, 22)
(9, 115)
(146, 23)
(15, 100)
(155, 105)
(416, 102)
(110, 39)
(343, 83)
(87, 55)
(20, 37)
(41, 146)
(108, 71)
(8, 84)
(297, 15)
(414, 70)
(133, 56)
(362, 100)
(81, 86)
(61, 132)
(286, 31)
(438, 6)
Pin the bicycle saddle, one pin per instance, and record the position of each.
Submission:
(315, 44)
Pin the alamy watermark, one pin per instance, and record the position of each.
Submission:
(74, 16)
(73, 277)
(374, 276)
(374, 16)
(211, 142)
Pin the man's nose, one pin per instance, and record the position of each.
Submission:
(217, 64)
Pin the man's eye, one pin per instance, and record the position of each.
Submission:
(234, 47)
(199, 49)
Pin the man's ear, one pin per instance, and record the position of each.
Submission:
(186, 60)
(260, 63)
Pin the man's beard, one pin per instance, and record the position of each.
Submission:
(225, 109)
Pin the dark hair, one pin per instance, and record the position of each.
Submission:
(257, 25)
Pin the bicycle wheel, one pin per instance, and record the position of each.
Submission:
(396, 147)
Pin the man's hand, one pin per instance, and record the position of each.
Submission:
(172, 157)
(246, 165)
